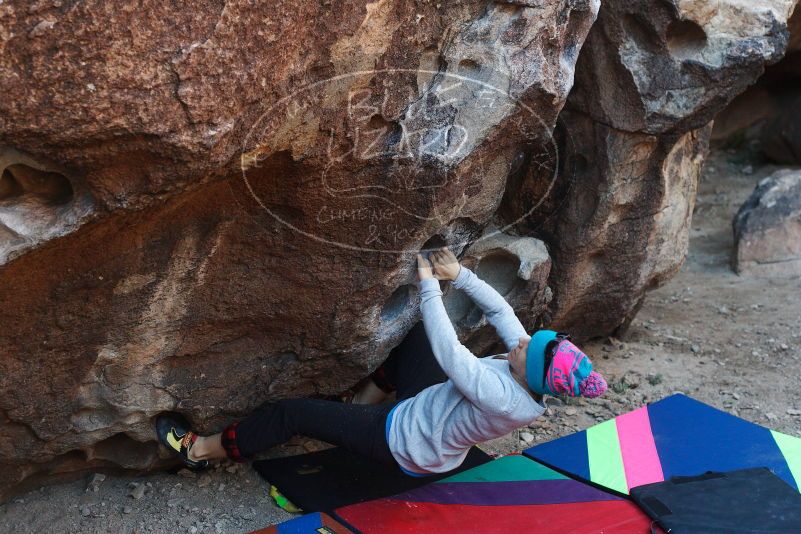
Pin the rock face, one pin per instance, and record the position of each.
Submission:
(766, 114)
(229, 198)
(206, 208)
(622, 225)
(767, 228)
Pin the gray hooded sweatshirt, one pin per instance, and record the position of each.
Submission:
(433, 431)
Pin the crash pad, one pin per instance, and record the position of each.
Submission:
(748, 500)
(323, 480)
(314, 523)
(510, 494)
(676, 436)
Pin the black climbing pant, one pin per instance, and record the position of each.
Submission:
(410, 368)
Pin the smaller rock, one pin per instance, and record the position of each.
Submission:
(570, 411)
(767, 228)
(95, 481)
(748, 169)
(770, 416)
(631, 380)
(696, 349)
(526, 437)
(138, 492)
(86, 511)
(203, 481)
(793, 411)
(186, 473)
(127, 509)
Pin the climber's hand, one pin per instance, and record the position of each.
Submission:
(423, 268)
(446, 265)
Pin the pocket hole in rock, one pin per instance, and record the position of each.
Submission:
(469, 68)
(685, 39)
(125, 451)
(458, 305)
(460, 232)
(433, 243)
(50, 187)
(398, 303)
(499, 270)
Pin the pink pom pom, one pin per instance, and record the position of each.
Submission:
(593, 386)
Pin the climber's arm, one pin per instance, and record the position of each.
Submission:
(498, 312)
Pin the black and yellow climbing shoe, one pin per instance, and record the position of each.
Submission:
(173, 432)
(283, 502)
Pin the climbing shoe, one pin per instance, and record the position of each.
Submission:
(173, 432)
(283, 502)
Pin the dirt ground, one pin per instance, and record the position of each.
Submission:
(730, 341)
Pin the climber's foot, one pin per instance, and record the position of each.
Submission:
(173, 432)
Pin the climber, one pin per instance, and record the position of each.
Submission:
(447, 400)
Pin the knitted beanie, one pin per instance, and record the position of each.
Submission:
(569, 373)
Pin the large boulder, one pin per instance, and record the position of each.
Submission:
(767, 228)
(204, 208)
(633, 137)
(621, 221)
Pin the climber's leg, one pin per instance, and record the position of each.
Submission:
(411, 366)
(357, 428)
